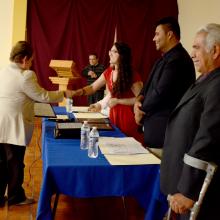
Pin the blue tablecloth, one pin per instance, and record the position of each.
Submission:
(68, 170)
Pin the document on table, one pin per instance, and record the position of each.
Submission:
(82, 109)
(121, 146)
(62, 117)
(69, 125)
(89, 115)
(125, 151)
(134, 159)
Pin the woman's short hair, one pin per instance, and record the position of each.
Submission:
(20, 50)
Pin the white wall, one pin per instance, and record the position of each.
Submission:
(195, 13)
(6, 15)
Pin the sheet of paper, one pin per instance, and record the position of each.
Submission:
(80, 109)
(91, 115)
(43, 110)
(62, 117)
(121, 146)
(69, 125)
(136, 159)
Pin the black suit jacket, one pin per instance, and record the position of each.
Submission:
(98, 69)
(194, 128)
(170, 77)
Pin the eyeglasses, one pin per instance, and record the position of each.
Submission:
(113, 51)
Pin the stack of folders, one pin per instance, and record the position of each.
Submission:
(96, 119)
(66, 128)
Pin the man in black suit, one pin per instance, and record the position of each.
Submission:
(194, 128)
(170, 77)
(92, 73)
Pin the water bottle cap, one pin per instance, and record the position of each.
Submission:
(85, 122)
(94, 127)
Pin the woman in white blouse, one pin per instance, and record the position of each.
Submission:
(19, 90)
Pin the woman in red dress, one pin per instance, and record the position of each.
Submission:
(122, 85)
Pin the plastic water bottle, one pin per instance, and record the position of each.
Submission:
(93, 143)
(69, 103)
(84, 140)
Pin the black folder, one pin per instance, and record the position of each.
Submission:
(67, 130)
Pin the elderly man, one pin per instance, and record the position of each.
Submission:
(170, 77)
(194, 128)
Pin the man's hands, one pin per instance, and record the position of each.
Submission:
(92, 74)
(180, 204)
(138, 113)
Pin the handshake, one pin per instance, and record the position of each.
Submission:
(70, 93)
(87, 90)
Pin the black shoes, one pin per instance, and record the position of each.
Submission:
(19, 202)
(23, 201)
(27, 201)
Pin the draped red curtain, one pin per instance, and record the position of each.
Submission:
(71, 29)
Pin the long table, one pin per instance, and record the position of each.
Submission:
(68, 170)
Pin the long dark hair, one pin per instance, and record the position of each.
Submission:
(125, 72)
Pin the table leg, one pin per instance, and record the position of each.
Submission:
(55, 205)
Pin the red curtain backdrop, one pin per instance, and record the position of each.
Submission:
(136, 26)
(71, 29)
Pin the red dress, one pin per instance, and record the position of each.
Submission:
(123, 115)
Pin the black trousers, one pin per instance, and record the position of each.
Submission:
(12, 171)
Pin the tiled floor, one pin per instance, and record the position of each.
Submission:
(68, 208)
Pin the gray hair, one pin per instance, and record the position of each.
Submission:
(213, 35)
